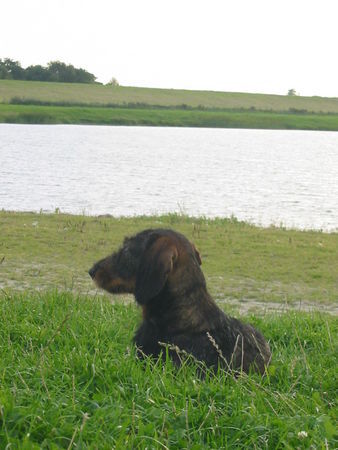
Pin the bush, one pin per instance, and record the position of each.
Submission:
(55, 71)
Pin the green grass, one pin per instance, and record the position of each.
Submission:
(71, 103)
(243, 263)
(157, 117)
(98, 94)
(69, 379)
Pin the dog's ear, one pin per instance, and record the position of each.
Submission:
(156, 264)
(197, 255)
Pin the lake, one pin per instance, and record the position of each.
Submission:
(262, 176)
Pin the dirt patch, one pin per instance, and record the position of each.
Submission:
(250, 306)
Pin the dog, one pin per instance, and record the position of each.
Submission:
(162, 268)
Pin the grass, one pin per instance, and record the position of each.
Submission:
(242, 262)
(42, 102)
(170, 117)
(69, 379)
(98, 94)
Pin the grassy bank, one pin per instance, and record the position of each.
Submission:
(69, 379)
(71, 103)
(68, 373)
(71, 93)
(243, 263)
(157, 117)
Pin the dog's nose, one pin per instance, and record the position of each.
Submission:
(92, 271)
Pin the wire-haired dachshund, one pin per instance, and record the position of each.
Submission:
(162, 269)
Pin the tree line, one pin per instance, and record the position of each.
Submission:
(54, 71)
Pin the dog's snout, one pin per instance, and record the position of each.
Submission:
(92, 271)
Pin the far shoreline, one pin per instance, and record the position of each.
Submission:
(191, 118)
(34, 102)
(103, 125)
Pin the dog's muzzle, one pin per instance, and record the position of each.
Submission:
(92, 272)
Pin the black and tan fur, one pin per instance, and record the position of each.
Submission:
(162, 269)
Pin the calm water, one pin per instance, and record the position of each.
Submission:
(263, 176)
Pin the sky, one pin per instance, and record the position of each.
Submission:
(266, 46)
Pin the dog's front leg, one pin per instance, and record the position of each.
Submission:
(146, 340)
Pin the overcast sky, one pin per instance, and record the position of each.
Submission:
(266, 46)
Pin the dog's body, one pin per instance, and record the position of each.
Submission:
(162, 269)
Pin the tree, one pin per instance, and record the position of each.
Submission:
(11, 70)
(36, 73)
(292, 92)
(113, 82)
(59, 71)
(55, 71)
(82, 76)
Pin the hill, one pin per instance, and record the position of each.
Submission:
(99, 95)
(78, 103)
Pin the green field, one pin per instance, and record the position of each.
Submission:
(103, 95)
(69, 377)
(171, 118)
(42, 102)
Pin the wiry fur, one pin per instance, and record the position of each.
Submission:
(162, 269)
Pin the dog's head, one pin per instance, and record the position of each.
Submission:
(147, 262)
